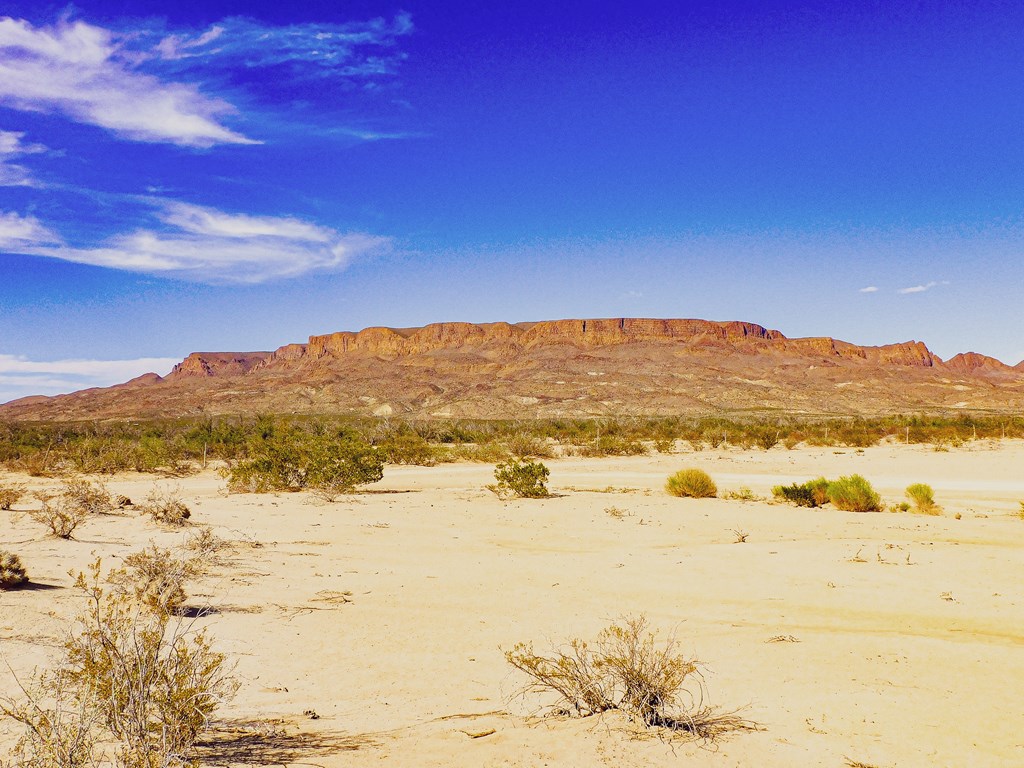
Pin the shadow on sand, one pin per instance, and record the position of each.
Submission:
(254, 742)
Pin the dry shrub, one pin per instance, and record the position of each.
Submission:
(132, 681)
(694, 483)
(12, 572)
(11, 495)
(61, 517)
(923, 499)
(91, 497)
(165, 506)
(625, 669)
(207, 546)
(59, 728)
(156, 578)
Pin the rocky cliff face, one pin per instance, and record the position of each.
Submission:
(556, 368)
(203, 364)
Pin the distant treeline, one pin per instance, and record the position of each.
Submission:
(182, 446)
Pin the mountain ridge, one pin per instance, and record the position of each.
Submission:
(571, 367)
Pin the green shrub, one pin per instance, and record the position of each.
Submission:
(291, 460)
(923, 499)
(813, 493)
(410, 448)
(522, 478)
(694, 483)
(12, 572)
(854, 494)
(800, 495)
(767, 437)
(612, 445)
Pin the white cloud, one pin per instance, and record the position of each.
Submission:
(83, 72)
(21, 377)
(20, 234)
(13, 174)
(210, 246)
(922, 287)
(869, 289)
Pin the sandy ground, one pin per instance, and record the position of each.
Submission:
(904, 633)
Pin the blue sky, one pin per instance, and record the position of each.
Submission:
(236, 176)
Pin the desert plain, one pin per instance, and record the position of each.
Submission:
(370, 630)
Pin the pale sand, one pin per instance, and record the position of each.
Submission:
(914, 657)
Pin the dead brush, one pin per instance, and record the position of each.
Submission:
(165, 506)
(626, 669)
(207, 547)
(11, 495)
(90, 496)
(57, 514)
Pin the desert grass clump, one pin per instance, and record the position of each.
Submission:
(165, 506)
(854, 494)
(693, 483)
(923, 499)
(12, 572)
(742, 494)
(624, 669)
(520, 478)
(11, 495)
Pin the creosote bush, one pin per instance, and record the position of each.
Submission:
(293, 459)
(520, 477)
(624, 669)
(12, 572)
(854, 494)
(923, 499)
(694, 483)
(133, 681)
(11, 495)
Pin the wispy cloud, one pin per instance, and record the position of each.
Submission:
(14, 174)
(921, 288)
(82, 71)
(869, 289)
(21, 377)
(210, 246)
(20, 234)
(360, 49)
